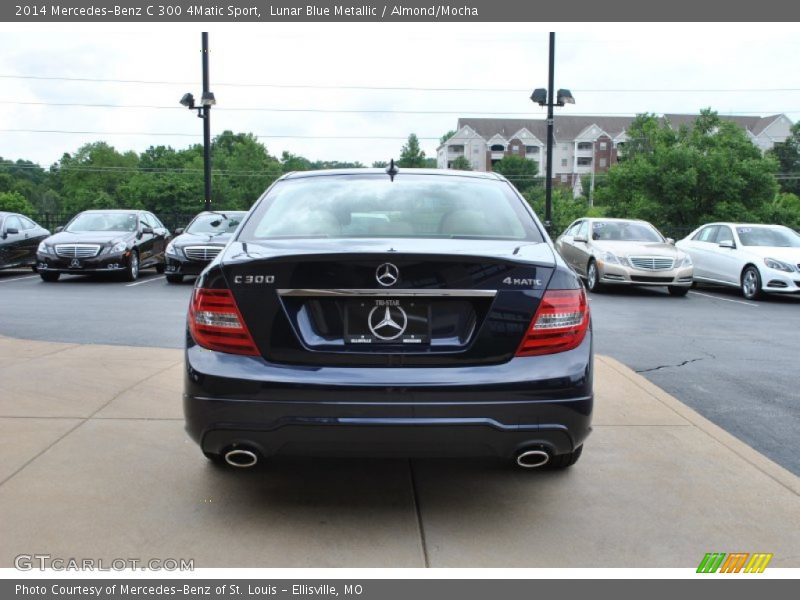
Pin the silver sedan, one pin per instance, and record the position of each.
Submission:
(624, 252)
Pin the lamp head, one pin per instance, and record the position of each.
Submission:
(564, 97)
(539, 96)
(187, 100)
(208, 99)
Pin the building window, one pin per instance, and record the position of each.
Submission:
(563, 162)
(456, 149)
(584, 145)
(498, 148)
(603, 145)
(563, 178)
(584, 161)
(603, 163)
(531, 149)
(476, 150)
(515, 148)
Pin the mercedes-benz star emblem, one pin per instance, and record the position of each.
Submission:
(387, 322)
(387, 274)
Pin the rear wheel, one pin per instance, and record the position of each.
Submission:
(592, 277)
(174, 278)
(132, 270)
(751, 283)
(562, 461)
(678, 290)
(48, 276)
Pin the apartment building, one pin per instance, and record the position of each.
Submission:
(582, 145)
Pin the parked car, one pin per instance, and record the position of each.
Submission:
(447, 325)
(105, 241)
(624, 252)
(197, 245)
(755, 258)
(19, 238)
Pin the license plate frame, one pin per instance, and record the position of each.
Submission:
(387, 322)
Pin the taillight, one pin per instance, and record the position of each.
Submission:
(559, 324)
(216, 323)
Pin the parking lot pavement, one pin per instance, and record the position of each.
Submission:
(731, 360)
(107, 472)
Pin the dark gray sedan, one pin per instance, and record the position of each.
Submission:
(19, 238)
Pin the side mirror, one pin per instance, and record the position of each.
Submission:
(147, 230)
(580, 238)
(178, 231)
(671, 241)
(727, 244)
(59, 229)
(12, 231)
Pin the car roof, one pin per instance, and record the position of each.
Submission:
(400, 172)
(115, 210)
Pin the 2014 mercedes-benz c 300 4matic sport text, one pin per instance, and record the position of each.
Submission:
(399, 313)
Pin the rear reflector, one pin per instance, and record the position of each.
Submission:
(559, 324)
(216, 323)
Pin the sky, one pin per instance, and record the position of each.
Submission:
(257, 68)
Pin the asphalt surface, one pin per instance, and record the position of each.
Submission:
(733, 361)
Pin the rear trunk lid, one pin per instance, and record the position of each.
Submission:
(379, 302)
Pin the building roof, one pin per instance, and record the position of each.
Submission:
(568, 127)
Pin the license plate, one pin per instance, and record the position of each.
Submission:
(387, 321)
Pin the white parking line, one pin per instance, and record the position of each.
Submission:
(725, 299)
(19, 278)
(143, 281)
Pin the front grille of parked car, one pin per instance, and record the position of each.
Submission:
(646, 279)
(201, 252)
(651, 263)
(77, 250)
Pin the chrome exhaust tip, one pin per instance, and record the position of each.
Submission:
(241, 459)
(531, 459)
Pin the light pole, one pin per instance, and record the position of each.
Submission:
(207, 100)
(542, 98)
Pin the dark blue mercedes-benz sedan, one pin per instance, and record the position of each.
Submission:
(403, 313)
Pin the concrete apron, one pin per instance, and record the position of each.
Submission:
(95, 464)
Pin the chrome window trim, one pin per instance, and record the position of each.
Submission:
(430, 293)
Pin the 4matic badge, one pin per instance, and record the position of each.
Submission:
(526, 281)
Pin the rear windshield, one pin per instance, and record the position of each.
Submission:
(412, 206)
(625, 231)
(768, 236)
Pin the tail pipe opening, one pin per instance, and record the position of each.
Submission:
(241, 458)
(532, 459)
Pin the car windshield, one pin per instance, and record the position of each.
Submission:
(372, 205)
(215, 223)
(775, 237)
(625, 231)
(92, 221)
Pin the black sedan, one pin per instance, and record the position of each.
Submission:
(194, 247)
(19, 238)
(118, 242)
(411, 313)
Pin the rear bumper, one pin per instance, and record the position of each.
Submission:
(449, 411)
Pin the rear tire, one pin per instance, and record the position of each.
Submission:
(678, 290)
(751, 283)
(562, 461)
(592, 277)
(48, 276)
(174, 278)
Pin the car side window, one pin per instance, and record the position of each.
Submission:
(573, 229)
(27, 223)
(724, 234)
(12, 222)
(154, 220)
(583, 230)
(146, 221)
(707, 234)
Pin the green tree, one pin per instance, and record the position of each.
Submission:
(678, 179)
(16, 203)
(788, 156)
(411, 155)
(519, 171)
(566, 208)
(293, 162)
(461, 163)
(380, 164)
(447, 136)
